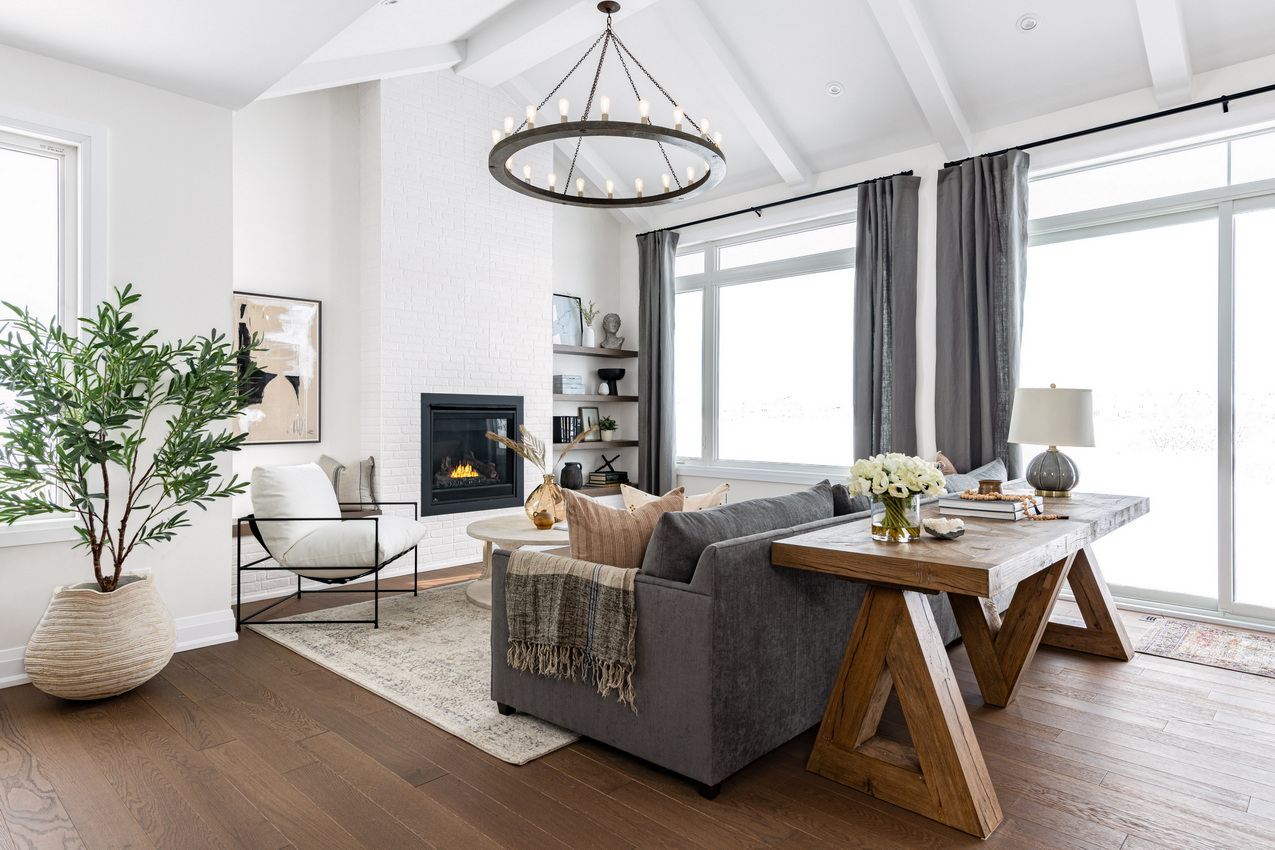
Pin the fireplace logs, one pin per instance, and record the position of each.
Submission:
(468, 472)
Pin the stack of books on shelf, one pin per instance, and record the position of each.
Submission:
(568, 384)
(608, 479)
(565, 428)
(954, 505)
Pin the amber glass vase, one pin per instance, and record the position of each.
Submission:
(545, 505)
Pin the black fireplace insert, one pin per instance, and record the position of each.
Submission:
(462, 470)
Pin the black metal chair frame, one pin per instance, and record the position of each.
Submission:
(252, 521)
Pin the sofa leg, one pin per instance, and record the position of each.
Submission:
(708, 792)
(505, 710)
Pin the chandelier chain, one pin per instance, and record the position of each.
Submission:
(588, 106)
(620, 45)
(578, 63)
(637, 95)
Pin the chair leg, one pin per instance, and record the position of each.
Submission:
(298, 587)
(376, 599)
(416, 570)
(505, 710)
(708, 792)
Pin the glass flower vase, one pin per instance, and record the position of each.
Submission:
(546, 505)
(895, 519)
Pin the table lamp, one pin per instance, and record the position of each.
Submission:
(1052, 417)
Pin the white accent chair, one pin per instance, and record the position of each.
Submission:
(297, 519)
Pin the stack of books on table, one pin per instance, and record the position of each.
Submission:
(568, 384)
(954, 505)
(608, 479)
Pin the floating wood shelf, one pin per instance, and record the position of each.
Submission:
(597, 444)
(594, 352)
(566, 397)
(594, 488)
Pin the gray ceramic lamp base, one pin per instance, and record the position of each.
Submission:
(1053, 474)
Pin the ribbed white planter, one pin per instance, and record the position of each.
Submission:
(92, 645)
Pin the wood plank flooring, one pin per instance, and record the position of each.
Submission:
(247, 745)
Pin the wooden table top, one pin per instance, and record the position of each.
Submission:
(516, 529)
(991, 556)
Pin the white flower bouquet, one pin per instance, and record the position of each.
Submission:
(895, 482)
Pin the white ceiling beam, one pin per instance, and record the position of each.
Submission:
(312, 76)
(592, 166)
(915, 54)
(1164, 38)
(529, 32)
(727, 78)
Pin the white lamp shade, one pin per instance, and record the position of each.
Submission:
(1052, 417)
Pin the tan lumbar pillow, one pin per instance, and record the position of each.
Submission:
(635, 498)
(611, 536)
(945, 466)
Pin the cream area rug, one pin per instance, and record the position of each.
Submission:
(1215, 646)
(432, 657)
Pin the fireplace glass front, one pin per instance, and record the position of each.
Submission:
(462, 470)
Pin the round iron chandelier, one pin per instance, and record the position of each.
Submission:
(672, 187)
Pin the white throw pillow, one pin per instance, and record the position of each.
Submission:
(349, 544)
(635, 498)
(291, 491)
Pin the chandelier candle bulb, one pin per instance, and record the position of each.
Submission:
(703, 131)
(495, 136)
(664, 178)
(637, 184)
(564, 109)
(580, 187)
(526, 173)
(531, 118)
(606, 108)
(678, 115)
(509, 126)
(717, 139)
(610, 188)
(690, 174)
(553, 182)
(644, 110)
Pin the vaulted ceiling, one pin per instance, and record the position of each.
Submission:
(914, 72)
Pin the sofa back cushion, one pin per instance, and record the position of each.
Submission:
(969, 480)
(614, 536)
(843, 504)
(681, 537)
(287, 491)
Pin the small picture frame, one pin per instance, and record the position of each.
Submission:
(568, 323)
(589, 417)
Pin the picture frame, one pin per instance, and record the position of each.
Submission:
(568, 321)
(286, 387)
(589, 417)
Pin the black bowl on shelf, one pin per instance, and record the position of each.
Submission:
(611, 376)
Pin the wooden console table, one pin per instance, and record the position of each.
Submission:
(896, 644)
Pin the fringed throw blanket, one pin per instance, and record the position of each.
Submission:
(572, 618)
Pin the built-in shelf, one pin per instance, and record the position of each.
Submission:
(598, 444)
(594, 352)
(567, 397)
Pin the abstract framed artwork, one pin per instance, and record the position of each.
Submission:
(285, 388)
(568, 325)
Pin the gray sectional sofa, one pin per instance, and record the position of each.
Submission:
(733, 661)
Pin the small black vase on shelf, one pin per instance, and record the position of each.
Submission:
(572, 476)
(611, 376)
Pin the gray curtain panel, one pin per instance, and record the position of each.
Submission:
(657, 456)
(982, 271)
(884, 370)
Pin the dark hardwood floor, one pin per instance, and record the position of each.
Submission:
(249, 745)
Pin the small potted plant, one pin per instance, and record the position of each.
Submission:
(607, 426)
(588, 338)
(119, 431)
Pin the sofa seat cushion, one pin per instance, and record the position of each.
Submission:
(969, 480)
(681, 537)
(349, 544)
(616, 537)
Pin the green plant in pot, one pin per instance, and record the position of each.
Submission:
(117, 430)
(608, 427)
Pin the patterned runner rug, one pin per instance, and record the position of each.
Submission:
(432, 657)
(1215, 646)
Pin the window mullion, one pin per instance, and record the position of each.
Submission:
(709, 376)
(1226, 405)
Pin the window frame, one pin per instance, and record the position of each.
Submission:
(711, 282)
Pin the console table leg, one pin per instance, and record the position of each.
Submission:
(896, 642)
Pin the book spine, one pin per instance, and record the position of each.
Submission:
(1004, 515)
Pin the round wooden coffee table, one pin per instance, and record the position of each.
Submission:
(509, 532)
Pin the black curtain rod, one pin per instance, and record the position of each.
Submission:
(1224, 101)
(758, 209)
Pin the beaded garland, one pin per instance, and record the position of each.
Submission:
(975, 496)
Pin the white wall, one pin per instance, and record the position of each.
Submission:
(169, 233)
(296, 233)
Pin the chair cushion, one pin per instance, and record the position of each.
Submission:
(349, 544)
(612, 536)
(681, 537)
(969, 480)
(291, 491)
(635, 498)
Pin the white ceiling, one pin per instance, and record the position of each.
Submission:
(915, 72)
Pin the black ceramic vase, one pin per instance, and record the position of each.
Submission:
(572, 476)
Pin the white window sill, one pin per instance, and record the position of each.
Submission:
(776, 474)
(32, 532)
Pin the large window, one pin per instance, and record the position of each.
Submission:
(1149, 280)
(762, 348)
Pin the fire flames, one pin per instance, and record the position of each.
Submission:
(463, 471)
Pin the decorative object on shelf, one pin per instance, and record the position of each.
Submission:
(606, 475)
(611, 376)
(589, 417)
(610, 327)
(572, 475)
(280, 374)
(944, 528)
(604, 388)
(607, 426)
(568, 385)
(110, 400)
(1052, 417)
(606, 466)
(896, 483)
(567, 327)
(545, 505)
(589, 339)
(703, 169)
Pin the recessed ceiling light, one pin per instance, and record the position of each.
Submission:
(1028, 22)
(835, 88)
